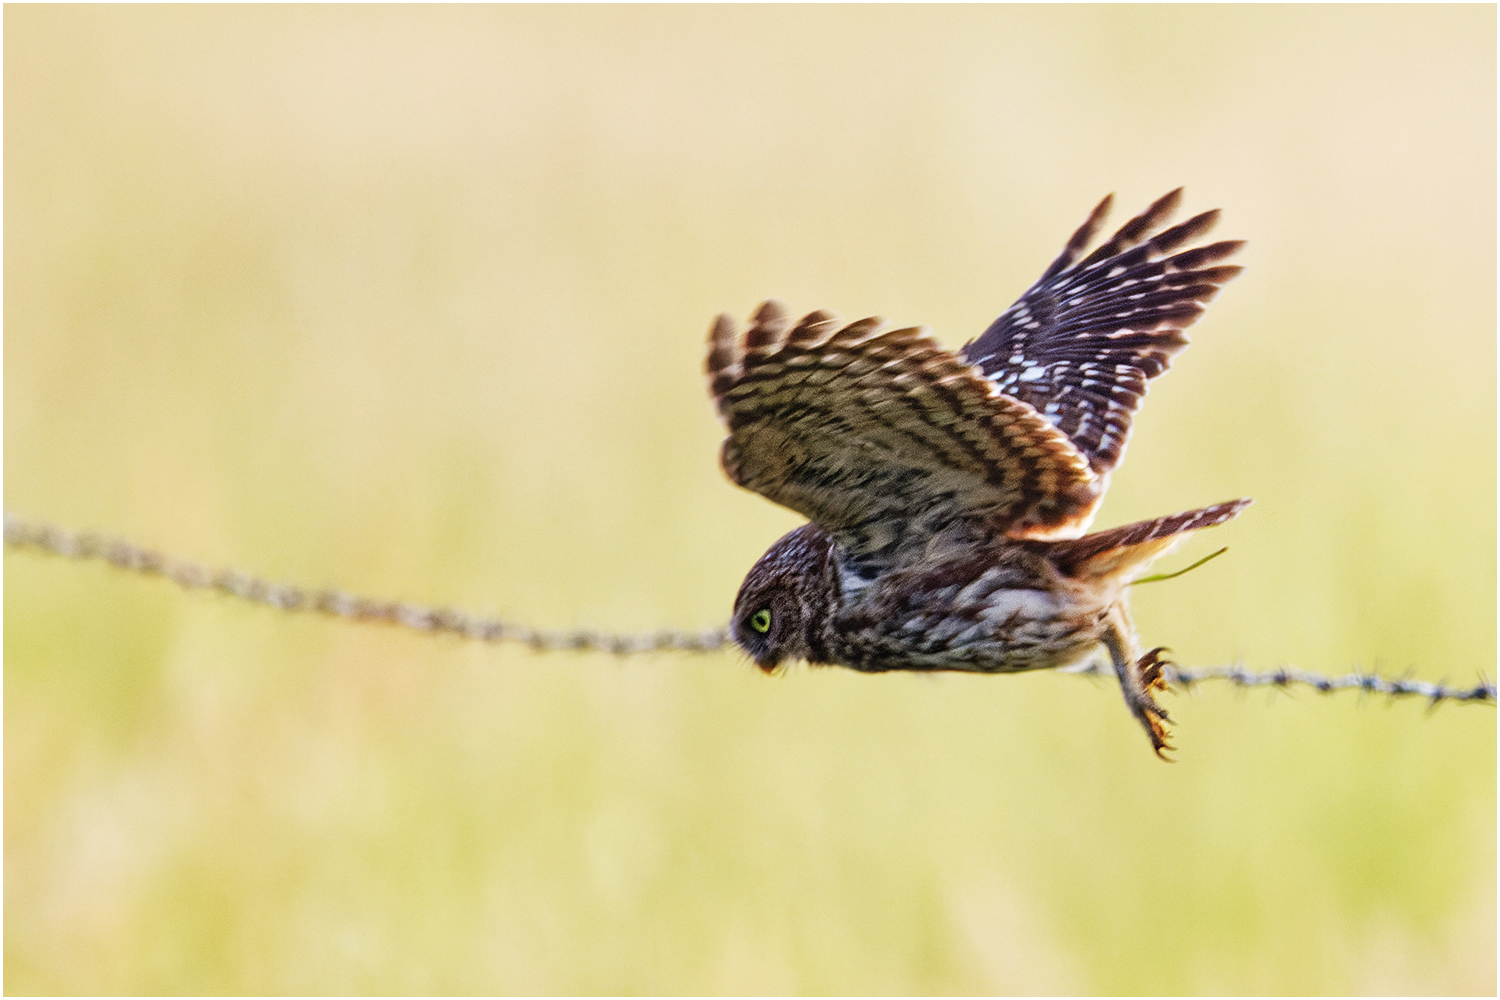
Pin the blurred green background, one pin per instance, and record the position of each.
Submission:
(412, 302)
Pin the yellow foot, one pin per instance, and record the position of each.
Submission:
(1148, 678)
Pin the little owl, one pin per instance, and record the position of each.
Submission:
(949, 493)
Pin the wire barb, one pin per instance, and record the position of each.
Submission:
(51, 539)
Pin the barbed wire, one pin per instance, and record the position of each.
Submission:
(1288, 677)
(286, 597)
(50, 539)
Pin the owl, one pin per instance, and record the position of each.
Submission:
(948, 494)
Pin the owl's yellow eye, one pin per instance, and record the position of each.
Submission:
(761, 621)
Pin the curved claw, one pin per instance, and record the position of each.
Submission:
(1140, 677)
(1151, 678)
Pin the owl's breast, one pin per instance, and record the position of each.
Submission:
(1004, 610)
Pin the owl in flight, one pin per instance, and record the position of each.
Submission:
(949, 493)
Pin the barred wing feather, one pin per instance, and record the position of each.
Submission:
(885, 438)
(1083, 342)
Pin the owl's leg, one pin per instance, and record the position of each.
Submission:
(1140, 678)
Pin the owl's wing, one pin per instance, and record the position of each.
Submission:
(1082, 343)
(883, 437)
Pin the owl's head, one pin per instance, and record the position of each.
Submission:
(785, 600)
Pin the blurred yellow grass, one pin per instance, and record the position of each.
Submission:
(412, 302)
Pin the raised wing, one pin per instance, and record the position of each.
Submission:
(883, 437)
(1082, 343)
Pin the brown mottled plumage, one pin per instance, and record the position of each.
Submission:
(948, 493)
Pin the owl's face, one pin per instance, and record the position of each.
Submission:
(784, 599)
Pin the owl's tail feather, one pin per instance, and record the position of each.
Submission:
(1125, 552)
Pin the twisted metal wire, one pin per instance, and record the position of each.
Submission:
(1288, 677)
(48, 538)
(125, 555)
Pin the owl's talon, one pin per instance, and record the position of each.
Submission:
(1153, 670)
(1150, 676)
